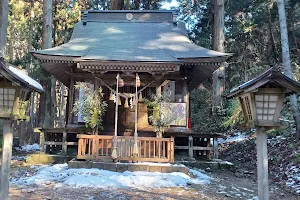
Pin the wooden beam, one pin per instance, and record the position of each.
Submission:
(195, 148)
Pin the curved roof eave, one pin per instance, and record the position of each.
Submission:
(20, 78)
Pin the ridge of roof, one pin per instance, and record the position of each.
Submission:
(130, 11)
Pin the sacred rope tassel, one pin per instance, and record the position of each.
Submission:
(126, 103)
(131, 103)
(115, 98)
(140, 97)
(119, 101)
(111, 96)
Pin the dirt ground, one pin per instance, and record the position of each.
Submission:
(224, 185)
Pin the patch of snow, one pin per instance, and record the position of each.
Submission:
(254, 198)
(19, 158)
(293, 181)
(201, 177)
(238, 137)
(29, 147)
(61, 175)
(168, 5)
(227, 163)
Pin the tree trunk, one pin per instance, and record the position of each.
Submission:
(10, 48)
(218, 45)
(47, 43)
(287, 62)
(30, 124)
(117, 4)
(47, 24)
(3, 26)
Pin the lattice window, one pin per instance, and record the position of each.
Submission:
(265, 106)
(7, 97)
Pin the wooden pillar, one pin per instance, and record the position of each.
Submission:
(64, 144)
(6, 158)
(172, 149)
(262, 164)
(186, 100)
(42, 141)
(191, 146)
(216, 147)
(70, 100)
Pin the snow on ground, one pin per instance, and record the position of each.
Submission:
(18, 158)
(293, 181)
(61, 175)
(29, 147)
(237, 137)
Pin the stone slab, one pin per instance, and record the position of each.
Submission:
(144, 168)
(155, 168)
(133, 168)
(110, 166)
(121, 167)
(98, 165)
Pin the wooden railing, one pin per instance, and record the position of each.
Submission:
(151, 149)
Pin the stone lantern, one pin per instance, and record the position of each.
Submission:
(261, 100)
(15, 90)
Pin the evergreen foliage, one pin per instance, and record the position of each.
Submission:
(92, 107)
(159, 116)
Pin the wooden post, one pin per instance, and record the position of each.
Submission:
(172, 149)
(187, 101)
(191, 146)
(6, 158)
(64, 140)
(262, 164)
(216, 147)
(42, 141)
(70, 100)
(114, 154)
(135, 152)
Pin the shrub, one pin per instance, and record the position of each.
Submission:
(40, 158)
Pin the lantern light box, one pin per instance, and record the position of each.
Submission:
(15, 90)
(262, 98)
